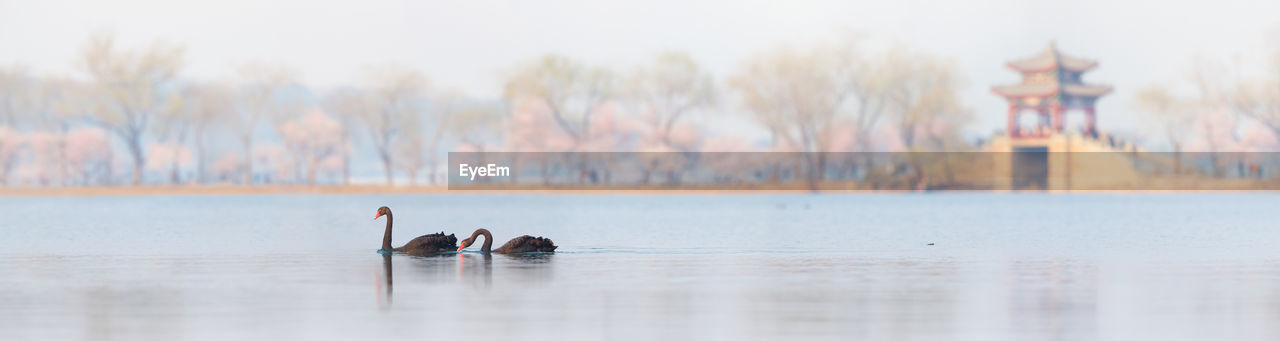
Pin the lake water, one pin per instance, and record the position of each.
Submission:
(972, 266)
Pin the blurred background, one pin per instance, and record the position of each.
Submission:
(380, 100)
(378, 92)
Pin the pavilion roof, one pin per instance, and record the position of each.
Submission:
(1046, 89)
(1024, 90)
(1049, 59)
(1082, 90)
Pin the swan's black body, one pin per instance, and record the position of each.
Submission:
(428, 244)
(520, 244)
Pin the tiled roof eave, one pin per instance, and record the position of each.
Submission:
(1047, 68)
(1097, 91)
(999, 91)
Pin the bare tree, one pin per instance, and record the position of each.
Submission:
(410, 156)
(861, 82)
(1215, 123)
(790, 93)
(56, 105)
(674, 86)
(314, 140)
(570, 92)
(132, 87)
(1172, 114)
(798, 95)
(205, 106)
(15, 85)
(398, 100)
(443, 109)
(10, 144)
(920, 92)
(473, 124)
(1259, 99)
(347, 105)
(173, 126)
(267, 92)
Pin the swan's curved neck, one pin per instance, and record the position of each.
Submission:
(488, 239)
(386, 236)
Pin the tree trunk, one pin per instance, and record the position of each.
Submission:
(135, 150)
(5, 166)
(200, 157)
(173, 166)
(247, 142)
(110, 171)
(434, 161)
(311, 173)
(346, 169)
(386, 166)
(63, 165)
(173, 173)
(1177, 160)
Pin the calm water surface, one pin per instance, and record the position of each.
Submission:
(1000, 267)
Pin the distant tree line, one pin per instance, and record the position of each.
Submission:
(1226, 111)
(266, 126)
(131, 117)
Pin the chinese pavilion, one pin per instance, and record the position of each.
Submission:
(1051, 85)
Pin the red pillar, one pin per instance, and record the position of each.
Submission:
(1045, 121)
(1057, 117)
(1091, 121)
(1013, 120)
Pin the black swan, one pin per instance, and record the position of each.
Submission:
(518, 245)
(428, 244)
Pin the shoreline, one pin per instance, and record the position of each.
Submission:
(166, 190)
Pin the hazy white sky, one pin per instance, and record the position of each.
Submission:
(466, 44)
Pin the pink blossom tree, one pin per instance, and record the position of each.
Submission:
(11, 142)
(169, 157)
(45, 162)
(273, 163)
(88, 154)
(314, 141)
(1215, 133)
(227, 167)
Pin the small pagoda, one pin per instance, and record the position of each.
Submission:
(1051, 85)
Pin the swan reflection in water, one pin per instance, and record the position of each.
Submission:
(386, 268)
(433, 267)
(479, 270)
(471, 269)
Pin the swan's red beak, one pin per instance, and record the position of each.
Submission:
(464, 245)
(377, 216)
